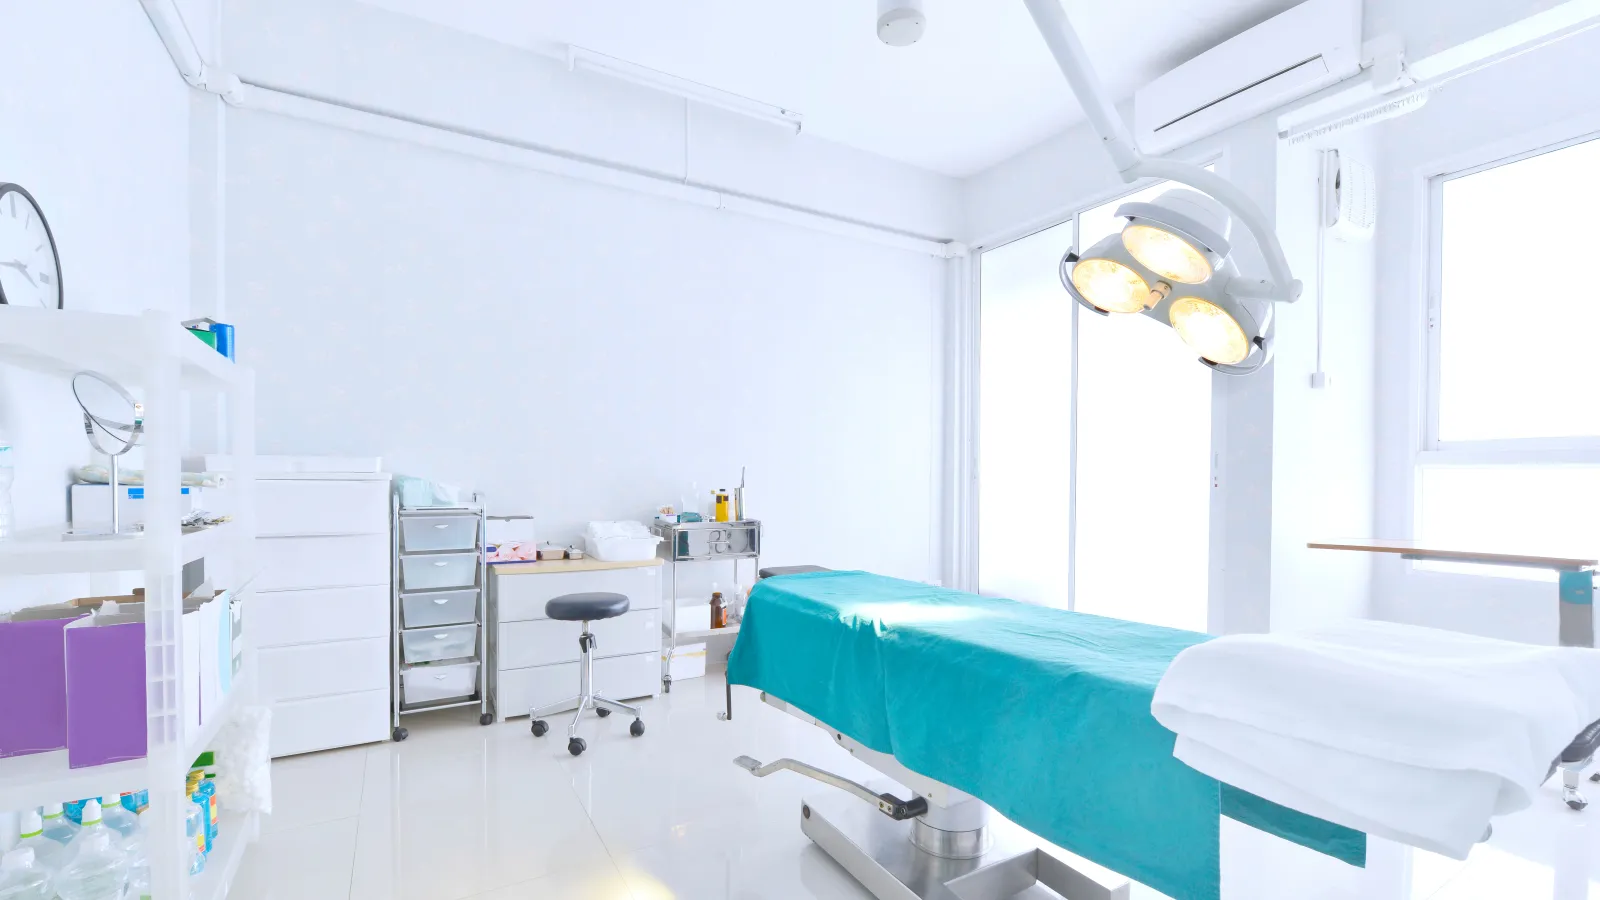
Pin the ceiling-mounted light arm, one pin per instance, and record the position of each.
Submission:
(1132, 165)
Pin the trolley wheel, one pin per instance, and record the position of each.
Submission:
(400, 733)
(539, 727)
(1595, 777)
(486, 719)
(576, 746)
(601, 711)
(666, 684)
(637, 728)
(1578, 805)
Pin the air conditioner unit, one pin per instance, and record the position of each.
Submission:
(1284, 58)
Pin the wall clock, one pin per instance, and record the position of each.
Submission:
(30, 268)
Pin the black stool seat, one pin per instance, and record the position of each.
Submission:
(586, 607)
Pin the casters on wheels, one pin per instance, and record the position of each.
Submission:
(1595, 777)
(540, 727)
(400, 734)
(1577, 803)
(486, 719)
(637, 728)
(666, 684)
(602, 712)
(576, 746)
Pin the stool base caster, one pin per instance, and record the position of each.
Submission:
(637, 728)
(666, 684)
(576, 746)
(1595, 777)
(602, 712)
(400, 734)
(486, 719)
(540, 727)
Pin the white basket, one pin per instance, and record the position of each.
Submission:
(427, 684)
(621, 549)
(426, 573)
(434, 644)
(442, 608)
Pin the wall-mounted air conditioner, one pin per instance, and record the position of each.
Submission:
(1284, 58)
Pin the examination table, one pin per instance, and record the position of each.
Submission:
(1043, 715)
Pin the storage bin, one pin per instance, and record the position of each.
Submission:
(435, 644)
(440, 608)
(621, 548)
(438, 533)
(426, 573)
(33, 706)
(429, 684)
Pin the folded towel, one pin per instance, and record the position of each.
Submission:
(102, 475)
(1410, 733)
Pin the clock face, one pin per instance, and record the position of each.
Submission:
(30, 271)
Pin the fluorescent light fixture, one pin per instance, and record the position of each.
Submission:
(590, 61)
(1172, 260)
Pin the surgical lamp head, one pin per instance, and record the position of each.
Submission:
(1171, 262)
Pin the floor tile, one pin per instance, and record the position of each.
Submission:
(601, 881)
(311, 862)
(316, 787)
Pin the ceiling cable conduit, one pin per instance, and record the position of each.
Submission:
(180, 44)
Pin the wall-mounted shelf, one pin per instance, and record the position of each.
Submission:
(41, 551)
(64, 341)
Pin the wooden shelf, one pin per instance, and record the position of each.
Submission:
(1419, 550)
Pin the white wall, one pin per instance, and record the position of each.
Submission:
(1540, 90)
(581, 352)
(377, 60)
(97, 121)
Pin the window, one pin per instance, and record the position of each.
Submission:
(1095, 443)
(1511, 452)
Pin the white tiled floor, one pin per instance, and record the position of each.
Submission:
(491, 813)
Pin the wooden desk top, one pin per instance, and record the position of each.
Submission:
(587, 564)
(1423, 550)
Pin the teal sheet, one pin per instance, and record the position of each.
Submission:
(1042, 714)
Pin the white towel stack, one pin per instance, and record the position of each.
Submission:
(1409, 733)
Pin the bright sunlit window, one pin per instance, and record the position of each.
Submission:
(1140, 502)
(1511, 457)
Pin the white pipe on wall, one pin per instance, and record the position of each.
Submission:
(186, 56)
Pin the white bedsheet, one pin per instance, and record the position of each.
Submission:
(1413, 734)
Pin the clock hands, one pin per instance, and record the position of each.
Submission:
(21, 268)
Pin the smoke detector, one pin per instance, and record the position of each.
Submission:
(901, 22)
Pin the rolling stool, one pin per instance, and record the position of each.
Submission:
(585, 608)
(1577, 757)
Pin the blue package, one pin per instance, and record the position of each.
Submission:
(224, 334)
(74, 811)
(136, 802)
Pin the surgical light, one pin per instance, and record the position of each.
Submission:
(1172, 261)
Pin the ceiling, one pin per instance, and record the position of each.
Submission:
(978, 88)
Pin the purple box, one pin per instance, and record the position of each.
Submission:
(106, 720)
(33, 694)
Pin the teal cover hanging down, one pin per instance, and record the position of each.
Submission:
(1041, 713)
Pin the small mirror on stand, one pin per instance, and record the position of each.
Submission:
(114, 422)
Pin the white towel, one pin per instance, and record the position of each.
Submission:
(1410, 733)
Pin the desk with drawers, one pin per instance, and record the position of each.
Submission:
(535, 659)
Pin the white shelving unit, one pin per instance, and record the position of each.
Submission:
(162, 364)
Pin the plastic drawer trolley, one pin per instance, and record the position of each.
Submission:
(440, 609)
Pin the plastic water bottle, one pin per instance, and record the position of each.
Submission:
(8, 474)
(114, 817)
(47, 854)
(194, 827)
(138, 869)
(57, 827)
(97, 869)
(22, 878)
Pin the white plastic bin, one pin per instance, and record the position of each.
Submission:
(427, 573)
(440, 608)
(429, 684)
(438, 532)
(621, 549)
(434, 644)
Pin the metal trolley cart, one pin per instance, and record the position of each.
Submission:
(438, 659)
(698, 542)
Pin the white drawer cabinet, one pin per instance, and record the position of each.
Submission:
(305, 508)
(523, 596)
(320, 670)
(321, 723)
(322, 609)
(295, 563)
(536, 658)
(545, 641)
(283, 618)
(620, 678)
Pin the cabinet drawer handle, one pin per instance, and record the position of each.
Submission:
(440, 637)
(441, 601)
(439, 677)
(442, 525)
(441, 563)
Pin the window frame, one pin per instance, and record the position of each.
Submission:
(1428, 449)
